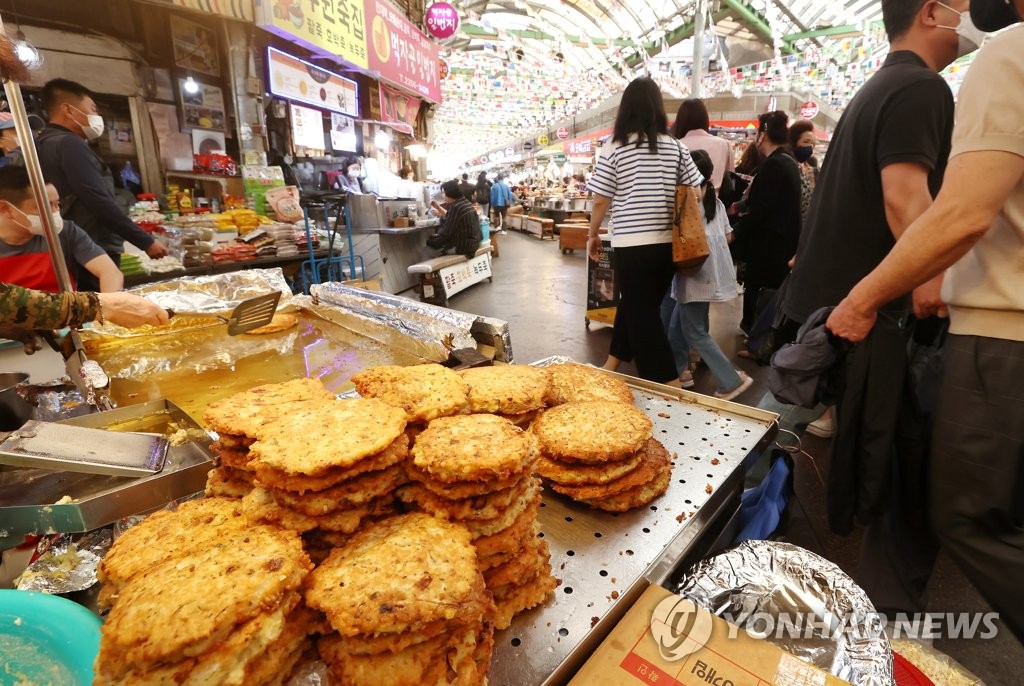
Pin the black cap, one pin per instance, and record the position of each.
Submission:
(992, 15)
(451, 189)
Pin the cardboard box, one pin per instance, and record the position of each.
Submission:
(668, 641)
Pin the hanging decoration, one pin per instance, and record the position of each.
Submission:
(442, 20)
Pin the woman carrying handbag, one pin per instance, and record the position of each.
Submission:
(636, 178)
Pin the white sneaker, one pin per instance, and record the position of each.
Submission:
(686, 378)
(822, 427)
(745, 383)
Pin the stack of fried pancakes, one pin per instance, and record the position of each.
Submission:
(601, 453)
(406, 606)
(515, 392)
(323, 469)
(477, 470)
(236, 420)
(568, 383)
(204, 597)
(423, 391)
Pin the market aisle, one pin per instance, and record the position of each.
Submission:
(541, 293)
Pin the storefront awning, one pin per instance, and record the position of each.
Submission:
(232, 9)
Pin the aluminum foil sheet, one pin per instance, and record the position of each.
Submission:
(756, 583)
(437, 325)
(54, 400)
(205, 295)
(67, 563)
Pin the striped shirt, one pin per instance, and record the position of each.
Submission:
(642, 187)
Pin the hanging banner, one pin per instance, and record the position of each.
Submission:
(398, 110)
(400, 53)
(333, 28)
(232, 9)
(295, 79)
(442, 20)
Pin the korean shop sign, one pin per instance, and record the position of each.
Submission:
(335, 28)
(400, 53)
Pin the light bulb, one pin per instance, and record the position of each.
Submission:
(26, 52)
(382, 140)
(191, 86)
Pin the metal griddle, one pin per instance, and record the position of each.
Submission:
(606, 560)
(28, 497)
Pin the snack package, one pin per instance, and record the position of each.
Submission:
(285, 202)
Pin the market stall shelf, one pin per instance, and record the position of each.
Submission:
(604, 560)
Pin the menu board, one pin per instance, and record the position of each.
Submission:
(307, 127)
(298, 80)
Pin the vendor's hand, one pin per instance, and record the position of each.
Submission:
(928, 299)
(30, 339)
(792, 261)
(156, 251)
(130, 311)
(847, 322)
(594, 247)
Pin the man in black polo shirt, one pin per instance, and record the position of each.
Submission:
(883, 168)
(460, 228)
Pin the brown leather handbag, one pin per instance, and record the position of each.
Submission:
(689, 240)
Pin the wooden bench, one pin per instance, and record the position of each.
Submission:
(444, 276)
(541, 228)
(573, 237)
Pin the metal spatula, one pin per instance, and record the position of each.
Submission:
(250, 314)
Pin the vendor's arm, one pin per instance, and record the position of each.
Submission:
(976, 186)
(109, 275)
(906, 196)
(91, 190)
(27, 309)
(597, 215)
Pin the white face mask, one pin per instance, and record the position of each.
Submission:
(94, 129)
(35, 223)
(971, 37)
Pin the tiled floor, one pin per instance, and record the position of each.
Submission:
(541, 293)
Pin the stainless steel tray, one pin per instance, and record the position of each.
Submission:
(29, 497)
(606, 560)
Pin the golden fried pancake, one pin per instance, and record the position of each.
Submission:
(243, 413)
(593, 432)
(237, 661)
(580, 474)
(522, 598)
(475, 447)
(168, 534)
(424, 391)
(228, 483)
(345, 495)
(528, 564)
(655, 460)
(459, 490)
(635, 497)
(443, 661)
(512, 537)
(508, 389)
(259, 506)
(298, 483)
(313, 440)
(368, 644)
(489, 527)
(233, 457)
(187, 606)
(523, 420)
(282, 321)
(233, 441)
(481, 507)
(398, 574)
(570, 383)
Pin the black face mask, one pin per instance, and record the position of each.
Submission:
(992, 15)
(803, 153)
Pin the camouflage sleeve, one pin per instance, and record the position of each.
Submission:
(29, 309)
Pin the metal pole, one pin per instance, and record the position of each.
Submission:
(35, 175)
(697, 72)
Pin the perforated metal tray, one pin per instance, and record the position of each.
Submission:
(605, 560)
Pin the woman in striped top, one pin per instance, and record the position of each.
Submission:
(636, 178)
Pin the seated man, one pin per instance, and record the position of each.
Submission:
(460, 227)
(24, 255)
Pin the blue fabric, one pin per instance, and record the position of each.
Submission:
(693, 319)
(761, 507)
(501, 194)
(676, 339)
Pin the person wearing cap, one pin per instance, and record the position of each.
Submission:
(83, 179)
(460, 230)
(975, 232)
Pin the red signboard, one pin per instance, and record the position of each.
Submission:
(809, 110)
(563, 133)
(398, 109)
(400, 53)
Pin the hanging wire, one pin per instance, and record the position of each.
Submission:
(796, 448)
